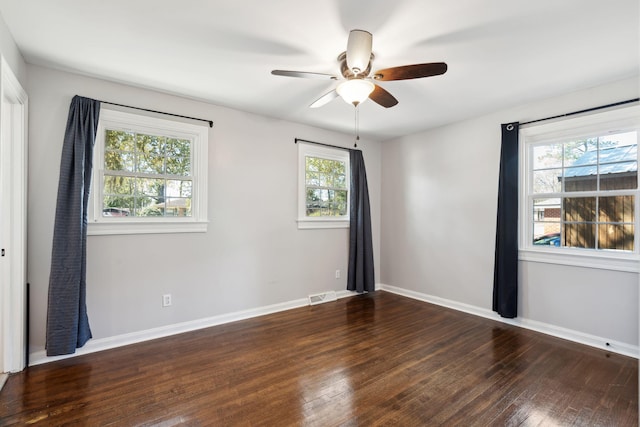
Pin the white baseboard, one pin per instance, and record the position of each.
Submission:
(99, 344)
(534, 325)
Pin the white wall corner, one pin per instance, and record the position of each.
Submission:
(545, 328)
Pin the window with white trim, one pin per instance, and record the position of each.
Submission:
(579, 190)
(149, 176)
(323, 187)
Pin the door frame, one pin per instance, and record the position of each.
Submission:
(13, 220)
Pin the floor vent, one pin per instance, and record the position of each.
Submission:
(322, 297)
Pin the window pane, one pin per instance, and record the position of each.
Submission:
(549, 237)
(616, 209)
(580, 235)
(616, 236)
(581, 178)
(148, 206)
(619, 176)
(547, 156)
(340, 202)
(117, 206)
(178, 188)
(314, 199)
(547, 181)
(153, 187)
(579, 209)
(312, 179)
(118, 185)
(546, 221)
(581, 153)
(150, 150)
(119, 140)
(178, 207)
(119, 161)
(178, 153)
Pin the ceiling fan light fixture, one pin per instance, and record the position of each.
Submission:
(355, 91)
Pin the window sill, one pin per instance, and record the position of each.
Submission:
(626, 262)
(150, 227)
(309, 224)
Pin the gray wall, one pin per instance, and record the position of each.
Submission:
(440, 194)
(252, 256)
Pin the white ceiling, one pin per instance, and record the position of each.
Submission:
(500, 53)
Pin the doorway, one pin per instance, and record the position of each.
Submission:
(13, 221)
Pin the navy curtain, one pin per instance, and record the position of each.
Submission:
(361, 272)
(67, 321)
(505, 276)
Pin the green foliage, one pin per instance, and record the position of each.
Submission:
(326, 193)
(139, 172)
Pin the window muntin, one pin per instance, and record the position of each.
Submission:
(579, 191)
(323, 187)
(149, 175)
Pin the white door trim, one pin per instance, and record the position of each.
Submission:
(13, 182)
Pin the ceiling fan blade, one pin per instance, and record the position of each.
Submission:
(324, 99)
(303, 74)
(415, 71)
(382, 97)
(359, 50)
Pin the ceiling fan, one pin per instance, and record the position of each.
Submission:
(359, 83)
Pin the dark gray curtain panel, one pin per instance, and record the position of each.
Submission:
(505, 276)
(361, 271)
(67, 320)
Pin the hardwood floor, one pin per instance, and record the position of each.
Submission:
(378, 359)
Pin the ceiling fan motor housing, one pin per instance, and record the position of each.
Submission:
(359, 48)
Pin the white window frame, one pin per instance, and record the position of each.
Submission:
(313, 150)
(119, 120)
(613, 121)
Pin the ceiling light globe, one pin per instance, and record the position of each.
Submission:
(355, 91)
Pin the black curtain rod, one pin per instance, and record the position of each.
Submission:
(615, 104)
(159, 112)
(320, 143)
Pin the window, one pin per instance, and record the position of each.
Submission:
(323, 187)
(579, 195)
(149, 176)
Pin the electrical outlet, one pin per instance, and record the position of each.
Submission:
(166, 300)
(337, 274)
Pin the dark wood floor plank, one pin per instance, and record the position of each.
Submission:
(379, 359)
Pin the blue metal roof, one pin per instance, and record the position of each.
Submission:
(622, 159)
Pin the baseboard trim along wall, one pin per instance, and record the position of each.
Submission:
(545, 328)
(99, 344)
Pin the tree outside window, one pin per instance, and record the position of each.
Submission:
(146, 175)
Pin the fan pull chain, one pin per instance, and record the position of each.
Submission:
(357, 127)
